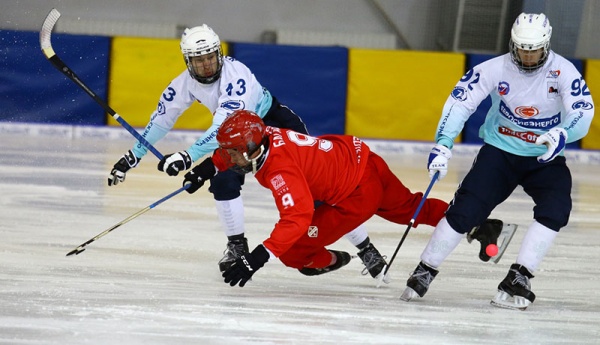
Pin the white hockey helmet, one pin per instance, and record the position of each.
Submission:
(530, 32)
(197, 41)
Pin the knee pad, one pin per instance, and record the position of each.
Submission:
(226, 185)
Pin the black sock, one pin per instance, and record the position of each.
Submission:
(364, 243)
(235, 238)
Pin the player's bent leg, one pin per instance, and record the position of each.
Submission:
(514, 292)
(398, 204)
(442, 242)
(307, 254)
(374, 262)
(226, 187)
(230, 213)
(341, 260)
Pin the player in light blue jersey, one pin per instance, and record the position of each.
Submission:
(223, 85)
(540, 102)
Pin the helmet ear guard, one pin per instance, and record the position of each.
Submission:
(530, 32)
(198, 41)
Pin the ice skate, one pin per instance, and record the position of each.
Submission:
(492, 231)
(374, 262)
(514, 292)
(343, 259)
(418, 282)
(235, 249)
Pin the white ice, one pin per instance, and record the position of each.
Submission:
(155, 279)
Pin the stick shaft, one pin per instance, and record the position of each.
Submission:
(46, 44)
(412, 221)
(126, 220)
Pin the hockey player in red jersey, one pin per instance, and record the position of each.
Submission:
(351, 182)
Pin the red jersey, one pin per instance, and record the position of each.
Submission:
(299, 169)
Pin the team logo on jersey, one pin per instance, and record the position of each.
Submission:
(233, 105)
(552, 89)
(553, 74)
(503, 88)
(160, 108)
(459, 93)
(313, 231)
(278, 182)
(582, 104)
(526, 111)
(529, 137)
(520, 119)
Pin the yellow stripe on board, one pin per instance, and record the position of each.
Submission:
(399, 94)
(592, 78)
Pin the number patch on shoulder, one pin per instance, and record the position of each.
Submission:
(287, 200)
(169, 94)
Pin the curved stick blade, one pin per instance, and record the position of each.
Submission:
(76, 251)
(46, 32)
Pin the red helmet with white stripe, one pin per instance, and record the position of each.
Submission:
(244, 132)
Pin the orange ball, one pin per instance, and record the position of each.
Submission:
(491, 249)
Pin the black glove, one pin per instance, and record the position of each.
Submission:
(243, 268)
(117, 174)
(201, 172)
(174, 163)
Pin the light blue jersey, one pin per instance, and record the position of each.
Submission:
(237, 88)
(524, 105)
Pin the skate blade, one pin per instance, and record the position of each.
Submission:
(505, 301)
(408, 294)
(508, 231)
(383, 277)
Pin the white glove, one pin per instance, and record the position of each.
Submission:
(174, 163)
(438, 161)
(555, 139)
(117, 174)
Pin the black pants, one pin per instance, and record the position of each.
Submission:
(227, 185)
(494, 176)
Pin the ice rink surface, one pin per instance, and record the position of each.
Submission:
(155, 279)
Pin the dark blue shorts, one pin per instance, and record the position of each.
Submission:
(494, 176)
(281, 116)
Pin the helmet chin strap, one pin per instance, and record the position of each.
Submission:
(254, 161)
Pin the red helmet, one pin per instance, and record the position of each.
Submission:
(243, 131)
